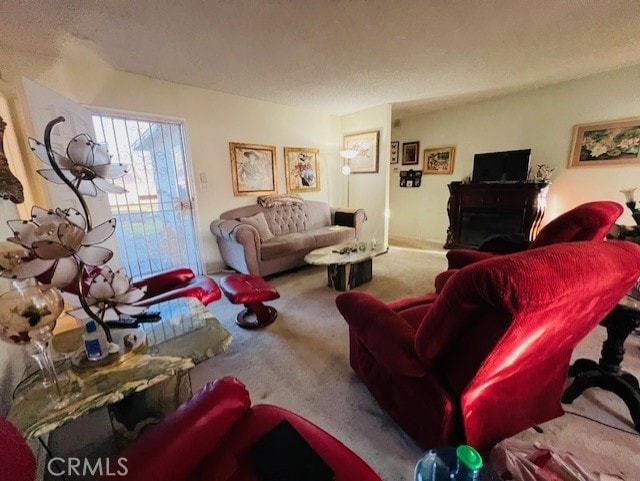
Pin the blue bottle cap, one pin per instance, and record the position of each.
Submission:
(91, 326)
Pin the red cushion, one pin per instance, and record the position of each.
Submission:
(247, 289)
(17, 462)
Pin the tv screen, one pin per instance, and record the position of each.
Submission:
(508, 166)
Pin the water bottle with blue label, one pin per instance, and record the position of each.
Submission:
(453, 464)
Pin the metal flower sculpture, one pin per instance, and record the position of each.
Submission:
(109, 295)
(60, 243)
(57, 242)
(87, 166)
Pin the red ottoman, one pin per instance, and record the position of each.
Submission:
(251, 291)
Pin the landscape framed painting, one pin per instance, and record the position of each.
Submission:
(410, 153)
(366, 143)
(253, 169)
(302, 169)
(614, 142)
(439, 160)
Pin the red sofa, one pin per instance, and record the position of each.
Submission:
(488, 356)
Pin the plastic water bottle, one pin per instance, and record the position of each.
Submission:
(448, 464)
(95, 342)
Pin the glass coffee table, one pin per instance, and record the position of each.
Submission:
(348, 265)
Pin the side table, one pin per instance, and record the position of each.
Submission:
(607, 373)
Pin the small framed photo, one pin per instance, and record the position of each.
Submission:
(302, 169)
(253, 169)
(615, 142)
(395, 148)
(439, 160)
(410, 153)
(366, 143)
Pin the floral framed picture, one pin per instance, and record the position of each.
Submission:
(302, 169)
(410, 153)
(439, 160)
(366, 143)
(395, 148)
(614, 142)
(253, 169)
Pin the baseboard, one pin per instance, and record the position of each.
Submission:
(402, 241)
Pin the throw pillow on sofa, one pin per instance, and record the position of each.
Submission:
(259, 222)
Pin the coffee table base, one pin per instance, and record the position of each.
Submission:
(343, 277)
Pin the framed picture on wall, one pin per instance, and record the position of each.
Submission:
(439, 160)
(410, 153)
(366, 143)
(253, 169)
(395, 148)
(302, 169)
(614, 142)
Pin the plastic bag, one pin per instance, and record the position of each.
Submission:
(521, 461)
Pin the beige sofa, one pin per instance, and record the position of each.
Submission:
(292, 231)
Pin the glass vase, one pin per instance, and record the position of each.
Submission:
(27, 316)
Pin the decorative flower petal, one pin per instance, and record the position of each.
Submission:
(132, 296)
(80, 150)
(87, 188)
(65, 272)
(41, 216)
(51, 250)
(71, 236)
(100, 288)
(23, 230)
(51, 175)
(100, 233)
(108, 187)
(94, 255)
(41, 151)
(32, 268)
(121, 284)
(130, 310)
(111, 171)
(100, 155)
(74, 216)
(109, 314)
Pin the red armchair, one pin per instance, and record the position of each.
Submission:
(488, 357)
(207, 438)
(17, 462)
(590, 221)
(181, 282)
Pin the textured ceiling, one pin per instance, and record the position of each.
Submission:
(340, 56)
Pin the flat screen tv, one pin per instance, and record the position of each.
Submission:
(508, 166)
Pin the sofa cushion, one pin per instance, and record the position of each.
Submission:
(259, 222)
(284, 245)
(331, 235)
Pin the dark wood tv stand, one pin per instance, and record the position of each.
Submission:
(478, 210)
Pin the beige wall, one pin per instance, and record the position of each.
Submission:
(370, 190)
(540, 119)
(211, 119)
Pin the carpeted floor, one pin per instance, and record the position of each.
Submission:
(301, 362)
